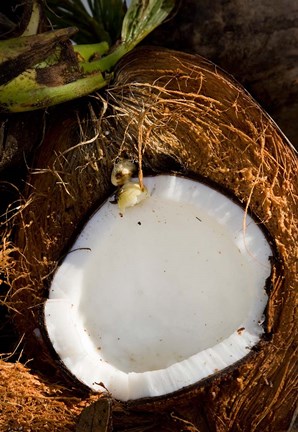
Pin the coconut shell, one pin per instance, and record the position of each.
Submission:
(171, 112)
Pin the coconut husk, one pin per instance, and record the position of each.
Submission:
(171, 112)
(28, 402)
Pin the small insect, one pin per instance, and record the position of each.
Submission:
(131, 194)
(122, 172)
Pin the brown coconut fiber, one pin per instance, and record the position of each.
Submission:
(171, 113)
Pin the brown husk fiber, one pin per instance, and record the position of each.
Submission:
(171, 112)
(29, 403)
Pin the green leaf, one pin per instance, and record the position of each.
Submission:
(103, 24)
(142, 17)
(111, 13)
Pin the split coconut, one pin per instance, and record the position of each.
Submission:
(167, 294)
(222, 187)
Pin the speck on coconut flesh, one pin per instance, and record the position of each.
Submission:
(161, 295)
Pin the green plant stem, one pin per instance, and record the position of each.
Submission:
(106, 63)
(59, 71)
(31, 97)
(87, 51)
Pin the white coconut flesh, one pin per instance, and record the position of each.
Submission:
(163, 296)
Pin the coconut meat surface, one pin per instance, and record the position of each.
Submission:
(158, 298)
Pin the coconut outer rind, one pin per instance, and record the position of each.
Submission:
(171, 112)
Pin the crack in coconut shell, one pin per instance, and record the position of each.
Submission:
(191, 114)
